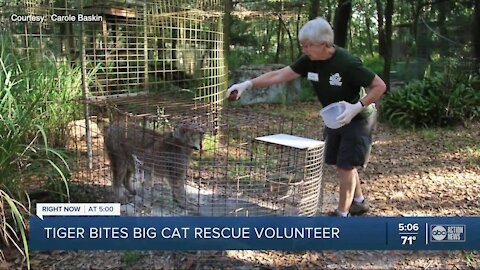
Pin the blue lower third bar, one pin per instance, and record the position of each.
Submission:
(254, 233)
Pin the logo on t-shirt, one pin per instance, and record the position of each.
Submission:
(312, 76)
(336, 80)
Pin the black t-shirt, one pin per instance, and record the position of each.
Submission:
(337, 78)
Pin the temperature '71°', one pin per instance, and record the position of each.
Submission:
(408, 239)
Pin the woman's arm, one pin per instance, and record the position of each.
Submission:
(374, 91)
(274, 77)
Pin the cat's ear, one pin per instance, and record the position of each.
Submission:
(178, 131)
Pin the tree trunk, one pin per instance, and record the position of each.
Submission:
(268, 36)
(442, 29)
(329, 11)
(297, 29)
(389, 9)
(368, 26)
(420, 32)
(227, 20)
(476, 34)
(385, 37)
(315, 5)
(342, 18)
(290, 37)
(279, 40)
(381, 28)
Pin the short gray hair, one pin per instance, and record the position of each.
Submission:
(317, 31)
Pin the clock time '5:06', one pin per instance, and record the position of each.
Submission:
(408, 227)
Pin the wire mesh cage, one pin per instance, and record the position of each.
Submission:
(156, 46)
(131, 46)
(232, 170)
(153, 78)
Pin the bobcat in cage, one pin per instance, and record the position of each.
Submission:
(162, 155)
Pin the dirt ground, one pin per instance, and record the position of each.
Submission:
(434, 172)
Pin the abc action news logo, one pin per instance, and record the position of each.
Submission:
(447, 233)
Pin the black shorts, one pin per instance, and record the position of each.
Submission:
(349, 146)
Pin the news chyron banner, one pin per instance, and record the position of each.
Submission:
(100, 227)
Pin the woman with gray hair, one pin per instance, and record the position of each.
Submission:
(336, 76)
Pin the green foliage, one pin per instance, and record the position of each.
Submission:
(33, 107)
(40, 91)
(13, 225)
(472, 259)
(374, 62)
(307, 93)
(131, 258)
(415, 69)
(443, 99)
(36, 105)
(243, 56)
(430, 134)
(242, 33)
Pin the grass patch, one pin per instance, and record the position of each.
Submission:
(131, 258)
(429, 134)
(37, 96)
(473, 259)
(472, 154)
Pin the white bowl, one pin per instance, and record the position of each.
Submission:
(330, 113)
